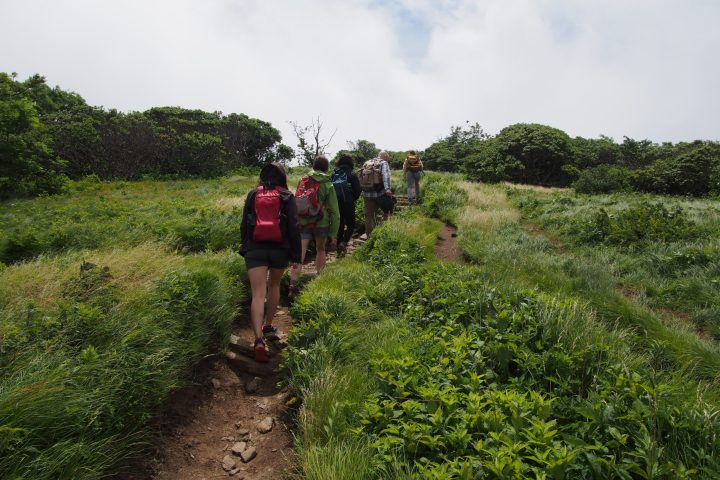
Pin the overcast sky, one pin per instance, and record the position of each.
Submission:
(395, 72)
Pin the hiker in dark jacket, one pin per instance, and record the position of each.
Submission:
(347, 187)
(263, 256)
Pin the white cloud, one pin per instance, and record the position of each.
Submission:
(644, 69)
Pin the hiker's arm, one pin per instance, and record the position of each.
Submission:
(293, 230)
(385, 169)
(334, 211)
(247, 208)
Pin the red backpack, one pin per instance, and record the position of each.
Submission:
(268, 206)
(306, 199)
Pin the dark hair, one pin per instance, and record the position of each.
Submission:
(345, 159)
(412, 152)
(321, 163)
(273, 175)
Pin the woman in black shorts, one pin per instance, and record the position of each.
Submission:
(270, 241)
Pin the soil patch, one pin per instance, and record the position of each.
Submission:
(536, 231)
(203, 422)
(447, 248)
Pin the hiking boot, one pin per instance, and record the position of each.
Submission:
(270, 333)
(261, 354)
(342, 248)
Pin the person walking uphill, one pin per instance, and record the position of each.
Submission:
(347, 188)
(374, 179)
(270, 239)
(412, 169)
(318, 216)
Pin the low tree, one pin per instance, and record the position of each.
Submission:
(449, 153)
(539, 151)
(310, 141)
(28, 165)
(694, 173)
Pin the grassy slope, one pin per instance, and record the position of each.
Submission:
(679, 274)
(492, 236)
(86, 358)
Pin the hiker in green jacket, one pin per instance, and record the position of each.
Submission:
(318, 216)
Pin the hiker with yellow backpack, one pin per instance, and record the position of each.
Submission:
(318, 216)
(412, 169)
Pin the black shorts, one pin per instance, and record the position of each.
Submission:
(386, 203)
(267, 257)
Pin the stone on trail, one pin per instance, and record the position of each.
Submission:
(243, 431)
(228, 463)
(238, 448)
(248, 454)
(266, 425)
(253, 385)
(216, 383)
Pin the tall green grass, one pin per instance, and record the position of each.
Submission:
(87, 357)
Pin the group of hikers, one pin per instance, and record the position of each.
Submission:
(277, 226)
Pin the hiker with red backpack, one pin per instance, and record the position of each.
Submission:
(374, 179)
(347, 189)
(318, 216)
(270, 239)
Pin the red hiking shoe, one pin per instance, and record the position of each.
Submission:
(270, 333)
(261, 354)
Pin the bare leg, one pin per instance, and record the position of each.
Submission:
(295, 272)
(320, 256)
(273, 296)
(258, 287)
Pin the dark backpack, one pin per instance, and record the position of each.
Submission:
(267, 215)
(306, 199)
(341, 182)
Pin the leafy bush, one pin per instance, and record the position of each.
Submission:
(695, 173)
(603, 179)
(20, 245)
(635, 225)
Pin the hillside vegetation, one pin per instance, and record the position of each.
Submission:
(408, 368)
(552, 353)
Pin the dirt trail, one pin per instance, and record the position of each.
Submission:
(447, 248)
(231, 397)
(228, 408)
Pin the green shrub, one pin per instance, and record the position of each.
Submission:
(603, 179)
(695, 173)
(19, 246)
(639, 223)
